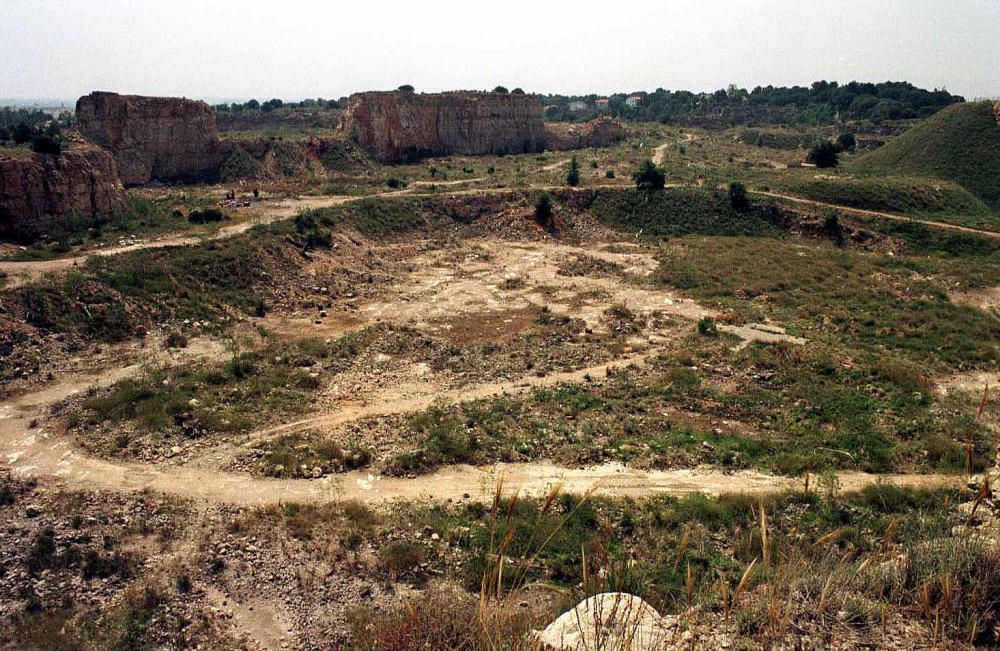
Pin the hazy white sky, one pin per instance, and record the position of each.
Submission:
(298, 48)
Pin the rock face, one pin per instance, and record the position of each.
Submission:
(34, 187)
(600, 132)
(398, 127)
(611, 620)
(153, 138)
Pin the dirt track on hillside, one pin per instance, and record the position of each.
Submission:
(882, 215)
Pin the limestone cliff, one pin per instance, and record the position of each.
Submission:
(398, 126)
(600, 132)
(82, 182)
(153, 138)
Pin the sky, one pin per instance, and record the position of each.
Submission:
(294, 49)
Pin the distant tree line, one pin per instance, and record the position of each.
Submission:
(822, 103)
(275, 104)
(39, 129)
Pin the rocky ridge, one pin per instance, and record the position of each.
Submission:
(153, 138)
(82, 181)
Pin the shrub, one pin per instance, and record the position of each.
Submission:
(22, 134)
(46, 145)
(395, 183)
(707, 327)
(239, 165)
(649, 177)
(402, 557)
(824, 155)
(176, 340)
(206, 216)
(738, 198)
(847, 142)
(610, 174)
(573, 174)
(543, 210)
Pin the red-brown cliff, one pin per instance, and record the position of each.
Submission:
(35, 187)
(153, 138)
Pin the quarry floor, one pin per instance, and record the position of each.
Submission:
(453, 288)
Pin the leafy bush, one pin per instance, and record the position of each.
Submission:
(824, 155)
(239, 165)
(206, 216)
(649, 177)
(738, 198)
(43, 144)
(543, 210)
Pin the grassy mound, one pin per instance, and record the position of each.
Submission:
(681, 211)
(937, 199)
(960, 143)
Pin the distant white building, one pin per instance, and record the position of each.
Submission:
(633, 101)
(578, 106)
(602, 104)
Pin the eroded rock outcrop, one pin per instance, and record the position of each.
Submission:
(600, 132)
(398, 126)
(153, 138)
(35, 187)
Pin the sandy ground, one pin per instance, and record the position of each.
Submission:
(444, 283)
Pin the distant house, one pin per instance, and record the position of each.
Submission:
(633, 101)
(602, 104)
(578, 107)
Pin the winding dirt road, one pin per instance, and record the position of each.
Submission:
(882, 215)
(31, 448)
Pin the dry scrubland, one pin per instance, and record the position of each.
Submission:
(400, 407)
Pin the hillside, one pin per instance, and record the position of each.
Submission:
(960, 143)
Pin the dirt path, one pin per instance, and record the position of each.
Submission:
(554, 166)
(449, 183)
(660, 153)
(445, 284)
(883, 215)
(31, 449)
(419, 396)
(20, 273)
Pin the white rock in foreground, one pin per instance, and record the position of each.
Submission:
(612, 621)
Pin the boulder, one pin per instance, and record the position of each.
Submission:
(153, 138)
(611, 620)
(82, 182)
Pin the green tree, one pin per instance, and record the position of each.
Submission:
(22, 134)
(649, 177)
(824, 155)
(738, 198)
(43, 144)
(847, 142)
(501, 90)
(406, 88)
(543, 211)
(573, 174)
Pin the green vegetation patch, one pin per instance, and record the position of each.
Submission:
(960, 143)
(794, 411)
(876, 301)
(942, 200)
(681, 211)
